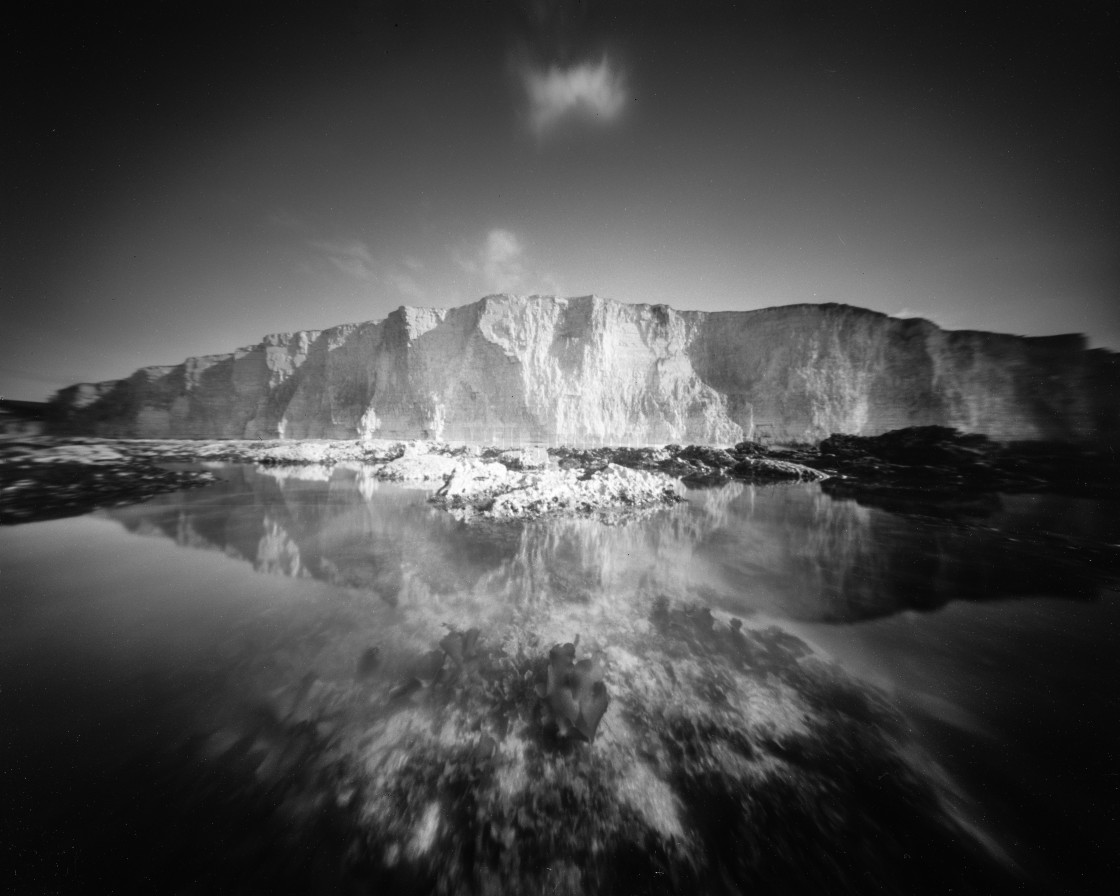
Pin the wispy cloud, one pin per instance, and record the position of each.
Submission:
(350, 256)
(406, 286)
(595, 92)
(354, 259)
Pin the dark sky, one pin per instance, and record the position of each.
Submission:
(182, 178)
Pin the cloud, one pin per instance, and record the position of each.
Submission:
(590, 91)
(500, 262)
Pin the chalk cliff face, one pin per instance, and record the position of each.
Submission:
(585, 370)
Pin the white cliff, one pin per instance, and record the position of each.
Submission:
(587, 370)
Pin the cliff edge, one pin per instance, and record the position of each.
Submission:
(590, 370)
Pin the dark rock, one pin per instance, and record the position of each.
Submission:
(706, 477)
(707, 455)
(751, 449)
(939, 471)
(638, 458)
(31, 490)
(574, 693)
(460, 647)
(916, 445)
(761, 469)
(369, 661)
(485, 748)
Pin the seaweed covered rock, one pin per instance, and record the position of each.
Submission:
(913, 446)
(748, 448)
(697, 465)
(940, 471)
(717, 458)
(764, 469)
(43, 478)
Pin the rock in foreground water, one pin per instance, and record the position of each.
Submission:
(679, 752)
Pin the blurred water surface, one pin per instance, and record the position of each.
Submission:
(995, 633)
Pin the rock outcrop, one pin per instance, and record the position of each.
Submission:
(587, 371)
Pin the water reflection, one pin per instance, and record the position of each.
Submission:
(786, 551)
(813, 558)
(279, 666)
(339, 525)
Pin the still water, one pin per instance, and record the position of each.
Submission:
(124, 633)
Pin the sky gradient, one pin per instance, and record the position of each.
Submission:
(182, 178)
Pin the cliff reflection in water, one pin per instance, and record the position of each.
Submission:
(786, 551)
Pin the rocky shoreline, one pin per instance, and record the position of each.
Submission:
(931, 469)
(44, 478)
(921, 461)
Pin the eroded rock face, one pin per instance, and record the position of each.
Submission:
(589, 370)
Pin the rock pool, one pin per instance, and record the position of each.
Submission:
(308, 680)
